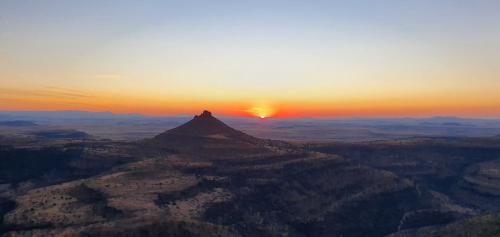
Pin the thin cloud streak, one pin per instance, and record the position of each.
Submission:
(47, 92)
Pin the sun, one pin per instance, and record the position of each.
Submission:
(261, 112)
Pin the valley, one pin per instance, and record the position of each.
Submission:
(205, 178)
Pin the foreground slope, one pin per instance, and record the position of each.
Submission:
(206, 179)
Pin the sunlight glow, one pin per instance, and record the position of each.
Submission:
(261, 111)
(308, 59)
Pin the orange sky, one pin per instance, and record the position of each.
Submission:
(259, 58)
(62, 99)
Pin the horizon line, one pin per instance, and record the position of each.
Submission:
(249, 117)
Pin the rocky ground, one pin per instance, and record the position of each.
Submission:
(206, 179)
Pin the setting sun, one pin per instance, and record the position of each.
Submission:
(250, 118)
(261, 111)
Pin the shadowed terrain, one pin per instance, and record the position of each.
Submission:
(205, 178)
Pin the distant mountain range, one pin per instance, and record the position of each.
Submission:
(77, 114)
(136, 126)
(17, 123)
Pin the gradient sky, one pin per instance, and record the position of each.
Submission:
(272, 58)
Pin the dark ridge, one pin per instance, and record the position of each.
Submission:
(87, 195)
(167, 198)
(159, 228)
(17, 123)
(17, 165)
(6, 205)
(61, 134)
(97, 199)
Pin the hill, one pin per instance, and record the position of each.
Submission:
(206, 126)
(204, 178)
(207, 137)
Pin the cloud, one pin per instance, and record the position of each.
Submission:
(46, 92)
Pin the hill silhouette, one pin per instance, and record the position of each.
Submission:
(206, 126)
(206, 135)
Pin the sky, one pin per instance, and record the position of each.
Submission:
(252, 58)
